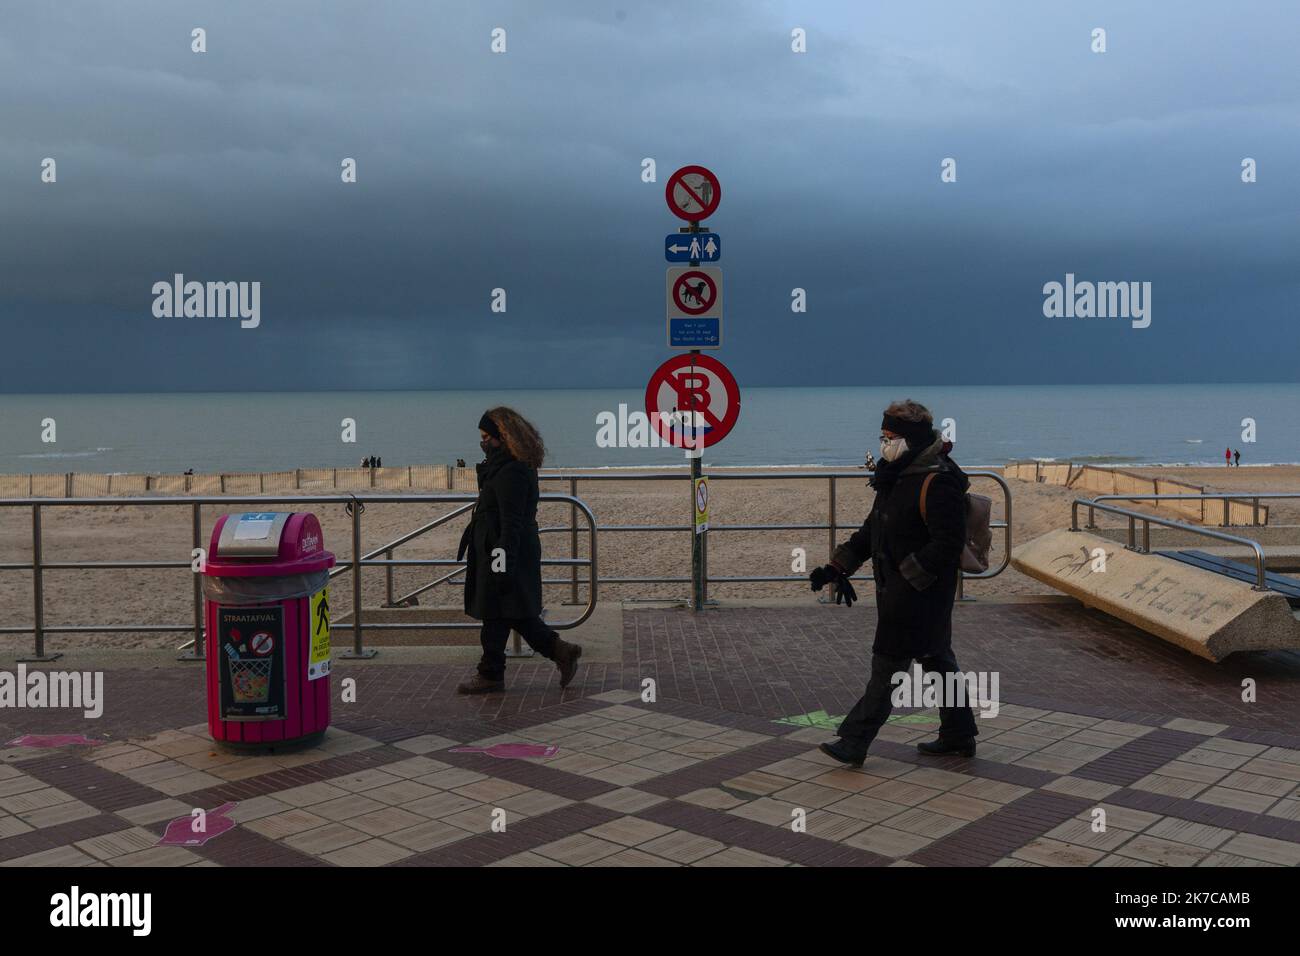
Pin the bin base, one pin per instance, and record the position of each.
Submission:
(271, 746)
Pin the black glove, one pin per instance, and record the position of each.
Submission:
(823, 576)
(844, 590)
(835, 576)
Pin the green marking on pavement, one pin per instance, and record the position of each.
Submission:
(819, 718)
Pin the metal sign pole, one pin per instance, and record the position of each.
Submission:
(697, 459)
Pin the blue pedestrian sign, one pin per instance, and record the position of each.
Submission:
(704, 332)
(700, 246)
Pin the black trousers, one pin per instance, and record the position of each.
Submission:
(871, 711)
(495, 633)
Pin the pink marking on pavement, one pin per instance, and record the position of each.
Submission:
(53, 740)
(181, 832)
(509, 751)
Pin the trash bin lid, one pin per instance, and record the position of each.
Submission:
(265, 543)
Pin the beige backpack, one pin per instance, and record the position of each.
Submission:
(979, 534)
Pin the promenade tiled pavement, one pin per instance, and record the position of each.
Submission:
(1095, 715)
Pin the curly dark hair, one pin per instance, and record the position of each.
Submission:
(521, 439)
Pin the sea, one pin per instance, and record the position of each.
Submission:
(829, 426)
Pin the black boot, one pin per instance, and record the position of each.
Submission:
(566, 659)
(844, 752)
(479, 684)
(941, 747)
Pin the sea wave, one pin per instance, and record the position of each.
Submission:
(65, 454)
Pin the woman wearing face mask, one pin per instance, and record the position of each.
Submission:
(503, 552)
(915, 554)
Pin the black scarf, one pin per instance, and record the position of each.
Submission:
(888, 472)
(495, 460)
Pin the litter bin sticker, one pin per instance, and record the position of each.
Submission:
(318, 662)
(252, 675)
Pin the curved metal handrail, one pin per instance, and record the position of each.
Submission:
(1095, 504)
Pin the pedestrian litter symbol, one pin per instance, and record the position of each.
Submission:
(693, 193)
(693, 246)
(694, 292)
(318, 664)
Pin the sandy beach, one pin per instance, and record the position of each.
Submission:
(163, 533)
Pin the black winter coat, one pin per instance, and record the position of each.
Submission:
(505, 516)
(915, 563)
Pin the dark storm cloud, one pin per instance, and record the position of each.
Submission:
(521, 171)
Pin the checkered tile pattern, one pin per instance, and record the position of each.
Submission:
(673, 782)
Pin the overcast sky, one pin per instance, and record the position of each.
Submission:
(522, 171)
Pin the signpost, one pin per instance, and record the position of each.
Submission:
(693, 401)
(701, 333)
(701, 393)
(695, 246)
(694, 300)
(701, 505)
(693, 194)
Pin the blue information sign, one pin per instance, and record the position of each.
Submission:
(695, 333)
(700, 246)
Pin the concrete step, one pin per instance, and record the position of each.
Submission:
(465, 635)
(1205, 613)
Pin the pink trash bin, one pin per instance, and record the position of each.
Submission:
(267, 644)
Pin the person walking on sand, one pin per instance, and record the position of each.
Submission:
(1227, 457)
(502, 550)
(915, 554)
(1236, 457)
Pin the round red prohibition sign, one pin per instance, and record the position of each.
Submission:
(261, 643)
(693, 193)
(695, 287)
(692, 390)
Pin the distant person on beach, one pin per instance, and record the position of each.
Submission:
(460, 462)
(870, 464)
(915, 554)
(502, 550)
(1236, 455)
(1227, 457)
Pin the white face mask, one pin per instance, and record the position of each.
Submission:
(892, 449)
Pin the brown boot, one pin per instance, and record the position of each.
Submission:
(480, 685)
(566, 659)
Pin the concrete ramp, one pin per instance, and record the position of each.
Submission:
(1206, 613)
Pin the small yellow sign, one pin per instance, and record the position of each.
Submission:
(318, 664)
(701, 505)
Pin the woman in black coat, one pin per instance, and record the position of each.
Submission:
(503, 552)
(915, 557)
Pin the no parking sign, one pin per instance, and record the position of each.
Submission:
(692, 400)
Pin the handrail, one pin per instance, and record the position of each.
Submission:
(1227, 497)
(831, 526)
(38, 566)
(1148, 520)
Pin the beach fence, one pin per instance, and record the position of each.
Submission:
(1116, 481)
(77, 485)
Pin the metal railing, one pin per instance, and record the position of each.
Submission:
(1228, 498)
(831, 526)
(1146, 520)
(38, 566)
(372, 558)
